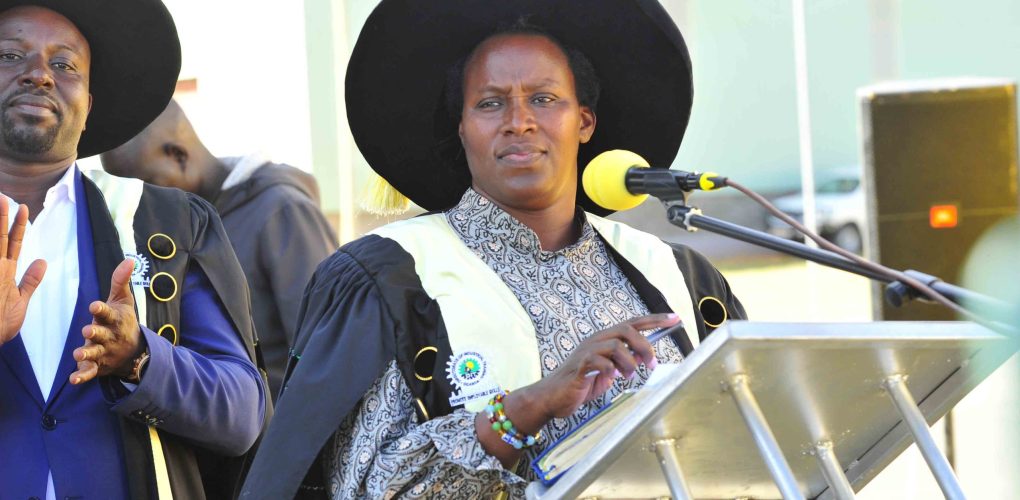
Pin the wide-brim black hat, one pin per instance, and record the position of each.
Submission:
(136, 59)
(397, 74)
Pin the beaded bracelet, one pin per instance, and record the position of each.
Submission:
(504, 427)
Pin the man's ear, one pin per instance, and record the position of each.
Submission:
(87, 111)
(587, 124)
(177, 153)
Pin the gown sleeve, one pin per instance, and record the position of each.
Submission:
(382, 451)
(704, 280)
(344, 396)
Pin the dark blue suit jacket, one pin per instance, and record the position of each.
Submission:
(202, 390)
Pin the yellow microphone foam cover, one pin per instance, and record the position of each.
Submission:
(604, 179)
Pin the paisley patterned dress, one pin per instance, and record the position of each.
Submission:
(381, 450)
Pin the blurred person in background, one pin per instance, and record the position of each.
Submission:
(126, 344)
(270, 211)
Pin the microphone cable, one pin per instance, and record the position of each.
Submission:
(889, 273)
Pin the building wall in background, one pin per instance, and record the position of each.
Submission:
(248, 59)
(744, 118)
(952, 38)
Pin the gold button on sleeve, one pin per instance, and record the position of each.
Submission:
(172, 331)
(162, 240)
(152, 287)
(428, 361)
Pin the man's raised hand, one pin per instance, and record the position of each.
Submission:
(14, 297)
(114, 339)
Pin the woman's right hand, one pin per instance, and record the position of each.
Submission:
(585, 375)
(589, 371)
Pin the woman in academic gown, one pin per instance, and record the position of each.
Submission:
(437, 356)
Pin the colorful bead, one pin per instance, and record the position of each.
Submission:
(502, 425)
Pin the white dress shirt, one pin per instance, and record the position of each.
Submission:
(53, 237)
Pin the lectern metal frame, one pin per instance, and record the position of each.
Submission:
(779, 410)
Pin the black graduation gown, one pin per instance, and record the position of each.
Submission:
(195, 229)
(370, 286)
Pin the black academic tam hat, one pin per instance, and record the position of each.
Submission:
(136, 59)
(397, 74)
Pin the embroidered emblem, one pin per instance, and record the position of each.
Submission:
(139, 274)
(466, 369)
(469, 374)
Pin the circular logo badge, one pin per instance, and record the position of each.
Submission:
(466, 369)
(141, 266)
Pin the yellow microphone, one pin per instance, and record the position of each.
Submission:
(604, 179)
(621, 180)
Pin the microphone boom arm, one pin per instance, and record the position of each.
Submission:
(691, 219)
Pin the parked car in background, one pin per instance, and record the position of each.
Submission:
(840, 210)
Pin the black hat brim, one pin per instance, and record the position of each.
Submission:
(397, 72)
(136, 59)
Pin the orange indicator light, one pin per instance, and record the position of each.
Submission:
(943, 216)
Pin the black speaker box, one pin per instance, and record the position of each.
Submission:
(938, 142)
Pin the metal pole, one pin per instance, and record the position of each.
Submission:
(767, 445)
(807, 162)
(807, 170)
(669, 460)
(832, 470)
(896, 386)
